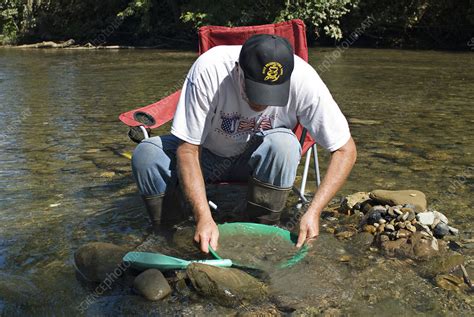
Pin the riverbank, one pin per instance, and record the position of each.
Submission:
(73, 45)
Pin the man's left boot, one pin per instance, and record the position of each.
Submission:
(265, 202)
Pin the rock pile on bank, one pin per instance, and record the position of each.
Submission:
(400, 221)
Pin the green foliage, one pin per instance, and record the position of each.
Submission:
(319, 13)
(323, 14)
(442, 23)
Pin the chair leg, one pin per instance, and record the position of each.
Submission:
(316, 165)
(305, 176)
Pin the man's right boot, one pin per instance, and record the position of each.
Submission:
(154, 208)
(163, 210)
(265, 202)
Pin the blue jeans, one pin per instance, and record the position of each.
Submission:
(270, 156)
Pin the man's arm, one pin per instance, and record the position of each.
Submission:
(192, 183)
(340, 166)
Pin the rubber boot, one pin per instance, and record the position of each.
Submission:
(265, 202)
(163, 210)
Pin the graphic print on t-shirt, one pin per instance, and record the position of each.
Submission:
(235, 125)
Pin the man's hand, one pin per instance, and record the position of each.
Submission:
(339, 168)
(309, 228)
(206, 233)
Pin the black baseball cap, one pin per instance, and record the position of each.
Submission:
(267, 61)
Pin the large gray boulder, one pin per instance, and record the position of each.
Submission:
(400, 197)
(97, 261)
(229, 286)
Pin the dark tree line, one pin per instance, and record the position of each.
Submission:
(447, 24)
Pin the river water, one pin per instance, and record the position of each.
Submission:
(64, 182)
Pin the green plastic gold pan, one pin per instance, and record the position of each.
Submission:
(256, 229)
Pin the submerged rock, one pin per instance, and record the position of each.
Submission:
(411, 245)
(18, 290)
(400, 197)
(152, 285)
(441, 264)
(97, 259)
(450, 282)
(229, 286)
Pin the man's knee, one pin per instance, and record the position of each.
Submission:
(283, 144)
(146, 156)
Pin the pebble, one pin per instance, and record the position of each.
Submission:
(426, 234)
(440, 216)
(449, 282)
(426, 218)
(400, 225)
(441, 230)
(376, 224)
(401, 235)
(405, 216)
(389, 227)
(391, 212)
(397, 211)
(382, 221)
(411, 228)
(381, 228)
(369, 228)
(373, 216)
(345, 258)
(411, 206)
(411, 216)
(345, 234)
(453, 231)
(434, 244)
(405, 209)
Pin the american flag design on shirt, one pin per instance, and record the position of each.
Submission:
(229, 123)
(233, 124)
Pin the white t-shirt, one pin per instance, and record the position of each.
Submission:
(213, 112)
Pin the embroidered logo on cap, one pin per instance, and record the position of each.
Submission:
(272, 71)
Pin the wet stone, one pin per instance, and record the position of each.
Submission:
(426, 218)
(152, 285)
(441, 264)
(362, 240)
(96, 260)
(229, 286)
(352, 200)
(400, 197)
(441, 230)
(450, 282)
(440, 216)
(369, 228)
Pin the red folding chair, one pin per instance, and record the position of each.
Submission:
(159, 113)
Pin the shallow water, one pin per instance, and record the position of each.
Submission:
(64, 183)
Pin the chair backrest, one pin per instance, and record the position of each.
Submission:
(293, 30)
(158, 113)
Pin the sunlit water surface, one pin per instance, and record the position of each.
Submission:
(64, 183)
